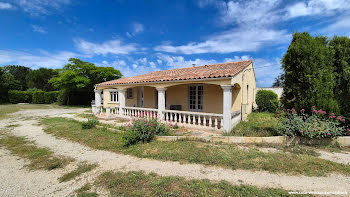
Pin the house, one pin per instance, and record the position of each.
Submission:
(214, 96)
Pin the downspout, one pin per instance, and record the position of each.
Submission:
(243, 87)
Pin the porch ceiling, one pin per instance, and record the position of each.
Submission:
(190, 73)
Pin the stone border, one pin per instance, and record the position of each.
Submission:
(343, 141)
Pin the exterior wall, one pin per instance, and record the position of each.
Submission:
(213, 99)
(277, 90)
(248, 79)
(149, 95)
(177, 95)
(107, 100)
(236, 99)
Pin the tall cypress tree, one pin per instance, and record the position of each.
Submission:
(309, 79)
(340, 47)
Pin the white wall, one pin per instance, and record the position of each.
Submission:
(278, 91)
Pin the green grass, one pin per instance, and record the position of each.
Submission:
(40, 158)
(224, 155)
(141, 184)
(84, 191)
(82, 168)
(259, 124)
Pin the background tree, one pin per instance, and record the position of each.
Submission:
(278, 81)
(7, 82)
(340, 47)
(40, 79)
(309, 78)
(19, 73)
(77, 80)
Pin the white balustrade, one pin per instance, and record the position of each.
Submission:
(140, 112)
(194, 118)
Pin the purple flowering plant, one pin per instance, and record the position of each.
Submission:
(315, 125)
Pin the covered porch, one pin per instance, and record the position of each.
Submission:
(206, 105)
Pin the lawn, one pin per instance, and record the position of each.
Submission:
(40, 158)
(119, 184)
(223, 155)
(259, 124)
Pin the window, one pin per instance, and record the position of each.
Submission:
(247, 93)
(129, 93)
(195, 97)
(114, 96)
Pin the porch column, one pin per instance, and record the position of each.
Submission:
(121, 93)
(98, 101)
(108, 112)
(161, 102)
(227, 105)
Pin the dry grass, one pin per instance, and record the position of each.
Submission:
(141, 184)
(40, 158)
(223, 155)
(82, 168)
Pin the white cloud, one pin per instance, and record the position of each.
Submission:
(234, 40)
(107, 47)
(256, 12)
(237, 58)
(5, 6)
(136, 29)
(37, 7)
(173, 62)
(152, 64)
(38, 29)
(317, 7)
(266, 71)
(251, 25)
(340, 26)
(43, 59)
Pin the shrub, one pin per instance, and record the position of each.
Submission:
(143, 130)
(17, 96)
(91, 123)
(267, 100)
(317, 125)
(38, 97)
(51, 97)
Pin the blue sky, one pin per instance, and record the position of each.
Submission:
(137, 37)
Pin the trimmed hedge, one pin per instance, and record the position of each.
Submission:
(267, 100)
(51, 97)
(17, 96)
(37, 97)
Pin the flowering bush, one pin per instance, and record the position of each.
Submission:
(143, 130)
(316, 125)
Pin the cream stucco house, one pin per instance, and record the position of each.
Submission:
(214, 96)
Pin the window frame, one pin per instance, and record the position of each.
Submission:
(113, 94)
(198, 98)
(128, 92)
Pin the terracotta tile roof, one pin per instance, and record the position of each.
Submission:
(199, 72)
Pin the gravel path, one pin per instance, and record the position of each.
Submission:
(119, 162)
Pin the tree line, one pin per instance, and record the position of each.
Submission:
(75, 81)
(316, 72)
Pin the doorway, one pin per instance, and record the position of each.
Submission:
(140, 97)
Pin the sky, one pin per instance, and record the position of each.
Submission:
(138, 37)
